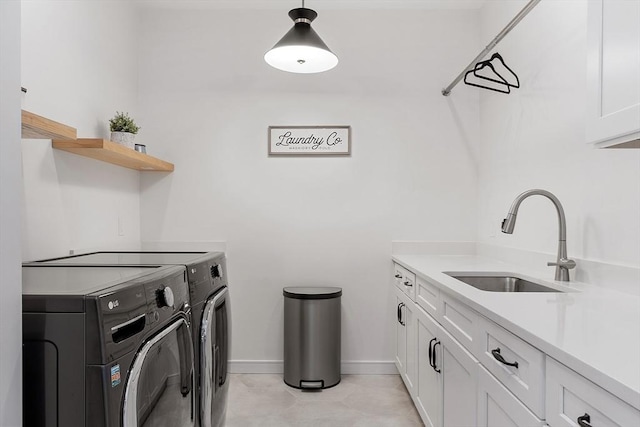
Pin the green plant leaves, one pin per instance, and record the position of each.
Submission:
(121, 122)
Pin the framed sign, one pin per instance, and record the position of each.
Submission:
(310, 140)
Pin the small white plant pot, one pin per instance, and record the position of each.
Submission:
(124, 138)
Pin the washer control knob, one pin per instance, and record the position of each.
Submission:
(215, 271)
(165, 297)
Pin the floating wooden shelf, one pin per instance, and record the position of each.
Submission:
(38, 127)
(110, 152)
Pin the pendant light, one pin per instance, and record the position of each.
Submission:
(301, 50)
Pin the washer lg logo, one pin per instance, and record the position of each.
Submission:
(113, 304)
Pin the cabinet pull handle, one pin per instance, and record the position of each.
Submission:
(499, 358)
(400, 313)
(398, 276)
(408, 283)
(434, 357)
(431, 352)
(584, 421)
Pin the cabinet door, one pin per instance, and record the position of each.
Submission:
(429, 388)
(459, 373)
(447, 377)
(613, 76)
(572, 398)
(401, 336)
(410, 324)
(405, 357)
(497, 406)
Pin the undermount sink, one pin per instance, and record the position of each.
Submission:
(500, 283)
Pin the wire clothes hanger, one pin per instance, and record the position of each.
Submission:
(502, 84)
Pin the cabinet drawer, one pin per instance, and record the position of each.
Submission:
(428, 297)
(460, 321)
(569, 396)
(497, 406)
(405, 280)
(522, 367)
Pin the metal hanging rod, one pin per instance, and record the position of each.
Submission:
(446, 91)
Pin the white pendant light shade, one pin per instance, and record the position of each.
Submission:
(301, 50)
(301, 59)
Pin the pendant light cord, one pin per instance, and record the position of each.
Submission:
(303, 4)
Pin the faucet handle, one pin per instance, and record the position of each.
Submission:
(563, 263)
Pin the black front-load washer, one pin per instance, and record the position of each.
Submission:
(209, 296)
(107, 347)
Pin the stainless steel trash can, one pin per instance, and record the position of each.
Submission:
(312, 337)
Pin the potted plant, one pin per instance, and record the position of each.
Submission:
(123, 129)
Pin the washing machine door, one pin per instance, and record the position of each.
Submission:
(160, 386)
(214, 357)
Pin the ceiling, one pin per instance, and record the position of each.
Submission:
(313, 4)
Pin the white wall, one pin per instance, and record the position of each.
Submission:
(10, 275)
(534, 138)
(207, 98)
(79, 64)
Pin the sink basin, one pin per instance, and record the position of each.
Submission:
(500, 283)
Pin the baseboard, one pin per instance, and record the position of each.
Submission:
(256, 367)
(368, 367)
(360, 367)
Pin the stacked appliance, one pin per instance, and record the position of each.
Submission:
(209, 297)
(107, 347)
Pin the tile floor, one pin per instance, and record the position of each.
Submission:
(264, 400)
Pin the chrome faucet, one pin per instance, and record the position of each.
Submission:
(563, 264)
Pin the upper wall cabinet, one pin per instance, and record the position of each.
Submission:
(613, 74)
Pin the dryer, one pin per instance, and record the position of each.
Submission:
(209, 296)
(107, 347)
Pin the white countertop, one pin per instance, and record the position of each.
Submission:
(594, 331)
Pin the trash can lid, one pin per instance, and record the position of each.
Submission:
(311, 292)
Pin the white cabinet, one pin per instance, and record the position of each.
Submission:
(447, 377)
(428, 297)
(459, 374)
(498, 407)
(573, 400)
(429, 390)
(459, 320)
(405, 357)
(464, 369)
(405, 280)
(401, 336)
(436, 336)
(516, 363)
(613, 73)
